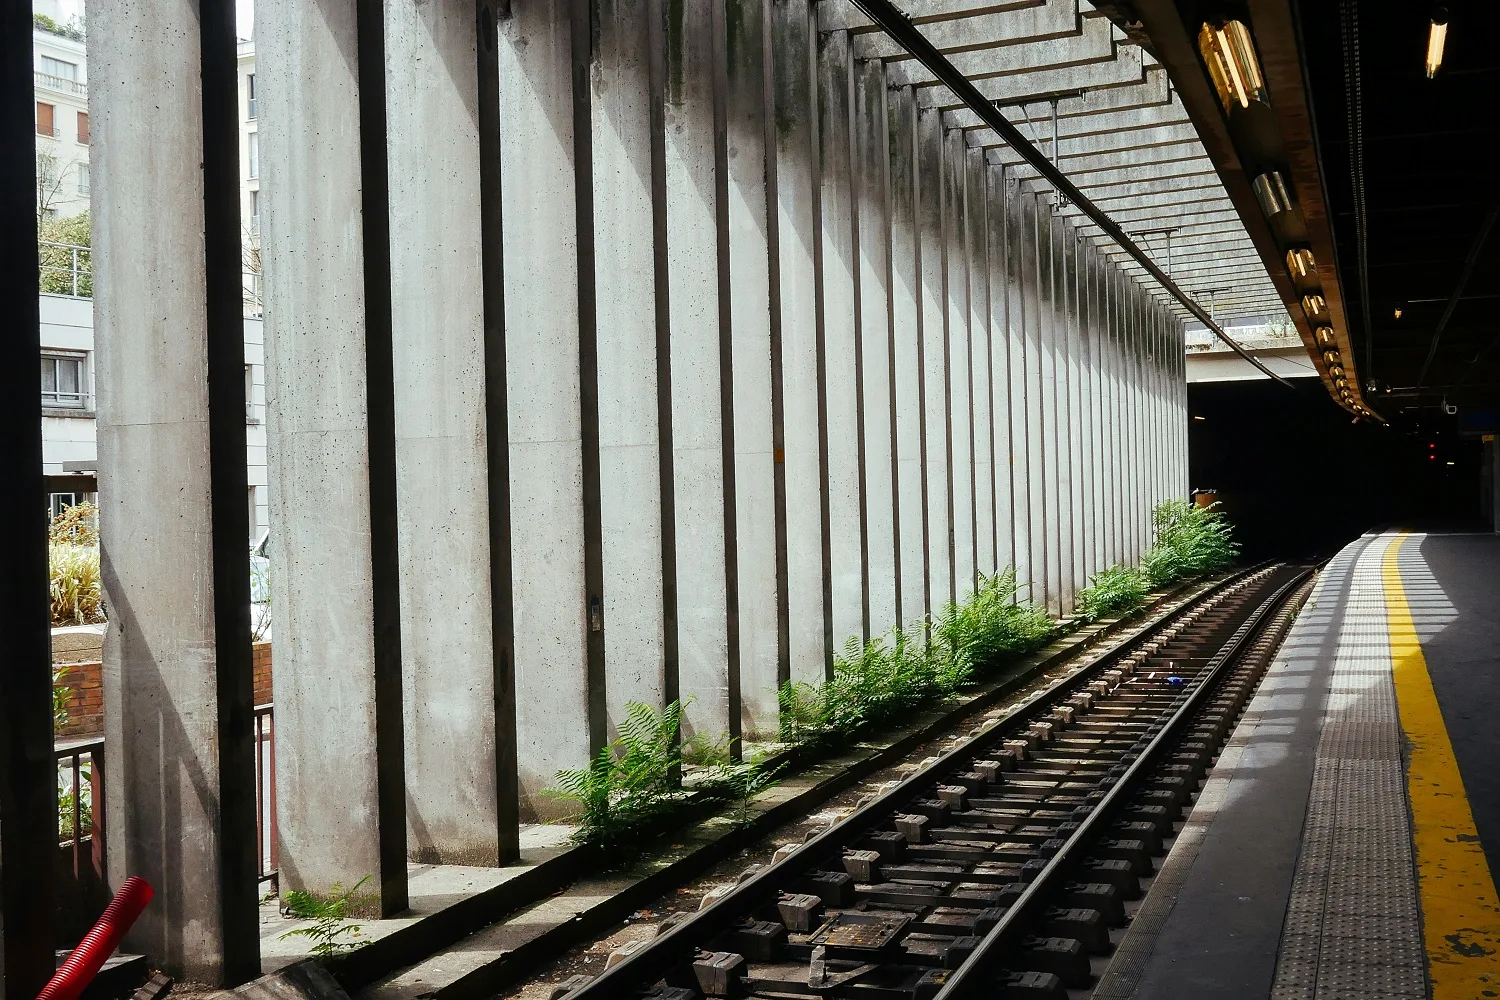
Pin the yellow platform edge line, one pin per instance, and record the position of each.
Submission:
(1460, 909)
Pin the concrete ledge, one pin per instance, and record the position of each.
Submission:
(509, 933)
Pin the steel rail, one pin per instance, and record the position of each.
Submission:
(976, 976)
(680, 942)
(908, 36)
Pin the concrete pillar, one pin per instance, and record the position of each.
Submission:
(959, 366)
(559, 700)
(1103, 491)
(1067, 508)
(1137, 411)
(638, 632)
(173, 519)
(748, 63)
(980, 373)
(1005, 442)
(841, 331)
(1088, 399)
(1114, 433)
(449, 665)
(1049, 416)
(1020, 249)
(330, 431)
(906, 359)
(876, 339)
(702, 409)
(809, 627)
(931, 232)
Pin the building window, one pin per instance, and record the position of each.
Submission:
(83, 128)
(83, 178)
(250, 95)
(46, 122)
(58, 68)
(255, 211)
(63, 381)
(250, 396)
(253, 158)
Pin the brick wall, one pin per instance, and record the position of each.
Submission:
(85, 700)
(86, 692)
(262, 666)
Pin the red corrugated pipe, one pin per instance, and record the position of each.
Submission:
(94, 950)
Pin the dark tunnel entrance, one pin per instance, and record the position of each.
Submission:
(1298, 478)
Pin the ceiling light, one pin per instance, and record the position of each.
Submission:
(1332, 357)
(1324, 334)
(1314, 305)
(1336, 370)
(1196, 417)
(1342, 383)
(1437, 35)
(1300, 263)
(1229, 53)
(1271, 191)
(1398, 312)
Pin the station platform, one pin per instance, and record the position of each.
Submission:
(1343, 845)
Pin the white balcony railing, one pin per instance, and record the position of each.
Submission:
(60, 84)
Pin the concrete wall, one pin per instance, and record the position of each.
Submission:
(791, 359)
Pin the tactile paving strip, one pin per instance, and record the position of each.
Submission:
(1352, 928)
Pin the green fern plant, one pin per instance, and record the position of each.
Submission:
(1115, 591)
(1189, 541)
(330, 928)
(638, 781)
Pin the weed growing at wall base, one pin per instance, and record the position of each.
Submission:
(876, 681)
(638, 782)
(330, 928)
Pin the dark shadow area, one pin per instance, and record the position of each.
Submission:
(1460, 632)
(1298, 479)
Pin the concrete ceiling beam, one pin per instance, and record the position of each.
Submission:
(989, 32)
(1121, 66)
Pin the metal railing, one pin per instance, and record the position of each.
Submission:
(80, 810)
(80, 799)
(66, 269)
(252, 283)
(61, 84)
(267, 854)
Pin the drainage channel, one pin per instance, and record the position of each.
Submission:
(1008, 865)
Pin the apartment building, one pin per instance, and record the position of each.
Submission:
(67, 377)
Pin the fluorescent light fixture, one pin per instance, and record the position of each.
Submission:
(1314, 305)
(1324, 335)
(1196, 417)
(1437, 36)
(1272, 193)
(1300, 263)
(1229, 53)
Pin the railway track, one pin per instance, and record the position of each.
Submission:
(1001, 869)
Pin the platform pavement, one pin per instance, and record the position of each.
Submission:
(1342, 847)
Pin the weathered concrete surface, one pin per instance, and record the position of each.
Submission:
(319, 447)
(162, 667)
(556, 724)
(437, 295)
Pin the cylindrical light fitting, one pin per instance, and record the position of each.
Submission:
(1229, 53)
(1272, 193)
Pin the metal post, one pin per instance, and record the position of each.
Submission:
(28, 791)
